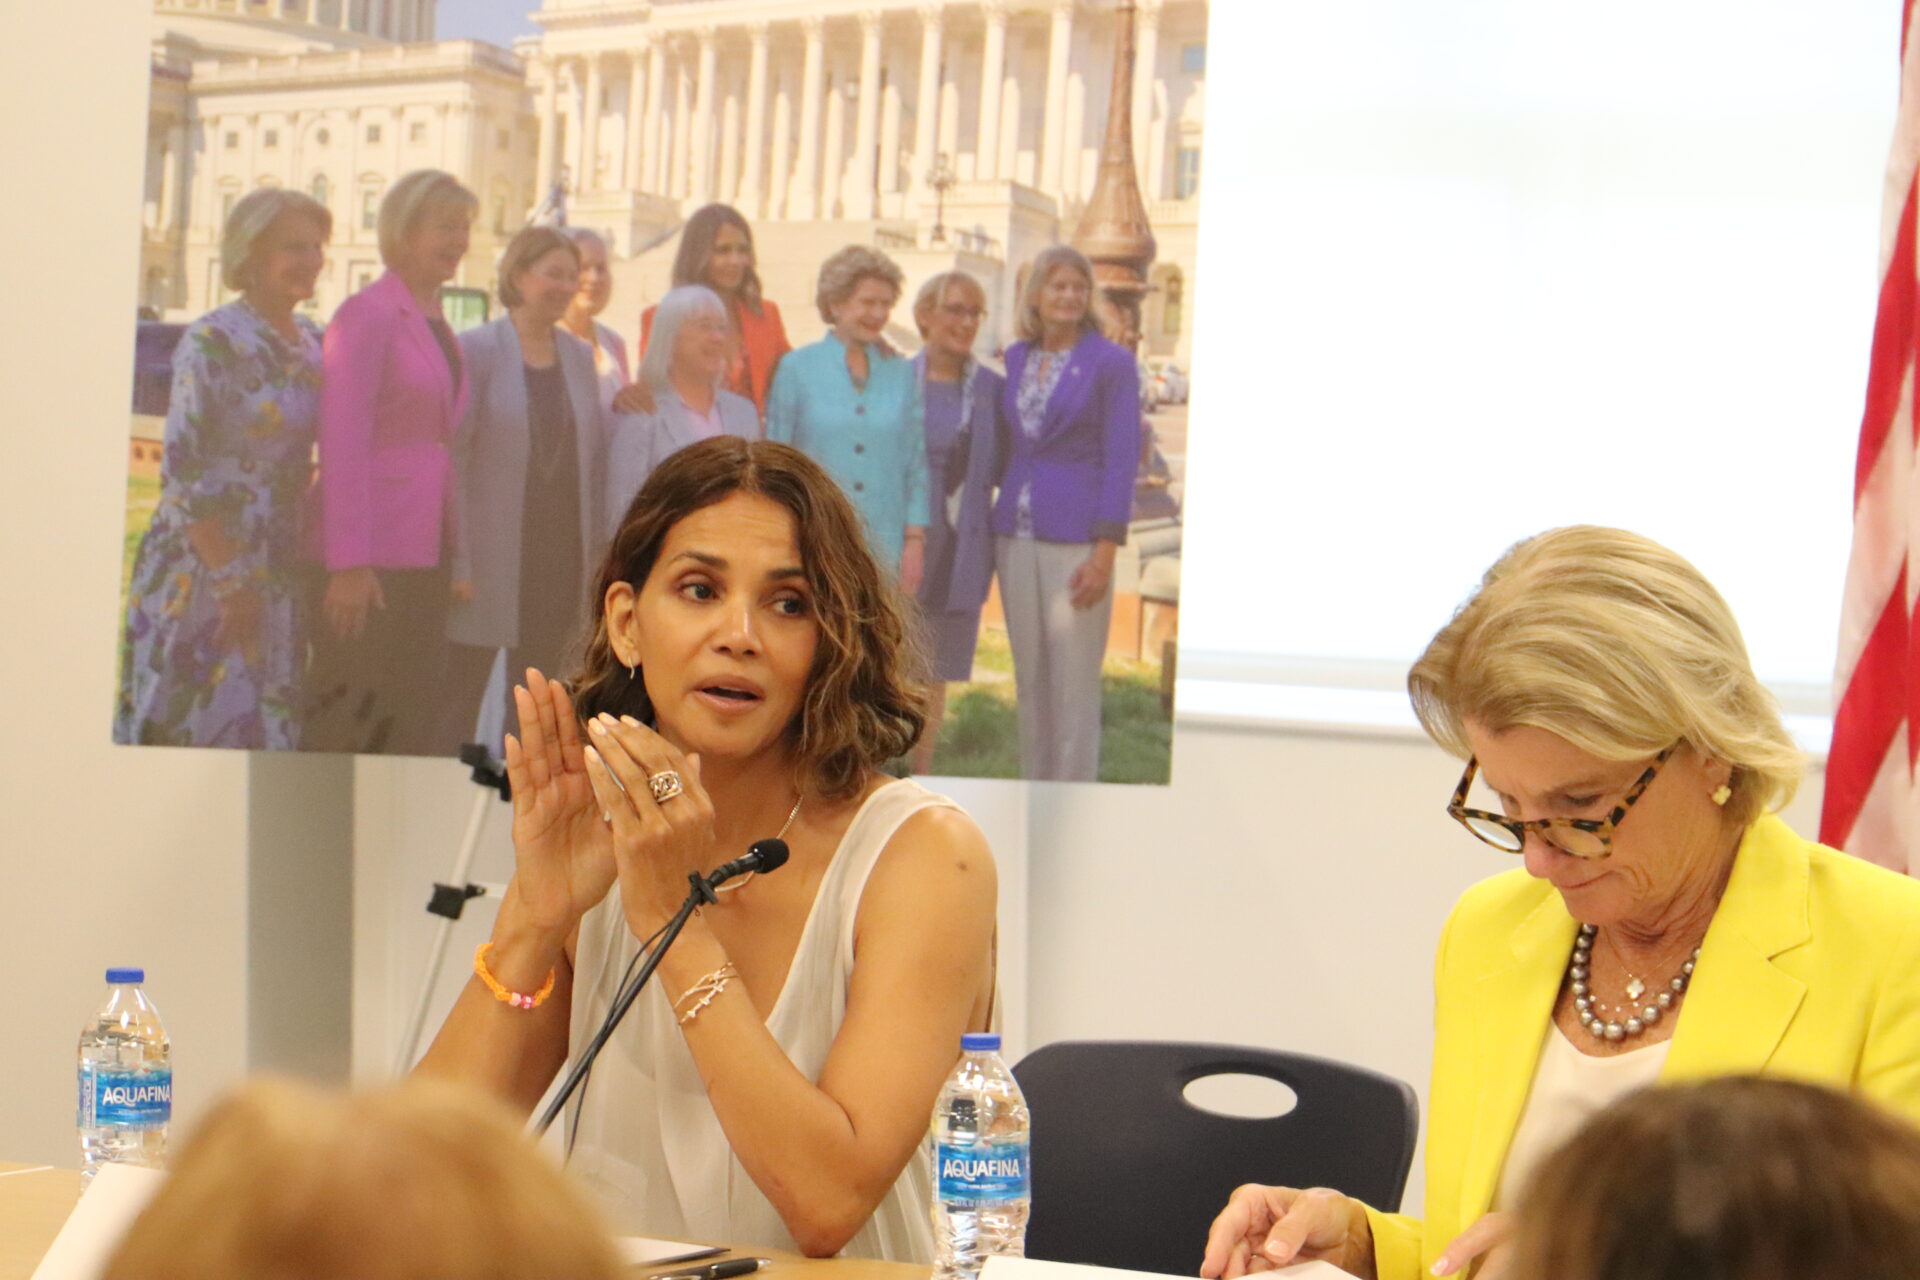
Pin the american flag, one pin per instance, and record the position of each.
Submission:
(1873, 798)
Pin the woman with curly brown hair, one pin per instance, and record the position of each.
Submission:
(749, 674)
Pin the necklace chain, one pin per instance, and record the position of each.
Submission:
(1639, 1016)
(741, 883)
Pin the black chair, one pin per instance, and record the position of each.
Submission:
(1128, 1173)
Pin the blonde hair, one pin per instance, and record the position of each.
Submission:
(1735, 1178)
(934, 292)
(528, 246)
(1616, 644)
(842, 273)
(426, 1180)
(1045, 263)
(412, 197)
(252, 215)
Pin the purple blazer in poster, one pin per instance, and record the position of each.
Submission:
(1081, 464)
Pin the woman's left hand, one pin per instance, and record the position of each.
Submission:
(1088, 585)
(635, 397)
(1490, 1240)
(655, 843)
(913, 563)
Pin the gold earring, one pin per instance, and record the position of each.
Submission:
(1722, 794)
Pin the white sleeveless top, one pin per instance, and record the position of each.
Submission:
(648, 1143)
(1568, 1087)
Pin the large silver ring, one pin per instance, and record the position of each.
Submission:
(665, 785)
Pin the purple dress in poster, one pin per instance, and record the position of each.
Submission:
(239, 449)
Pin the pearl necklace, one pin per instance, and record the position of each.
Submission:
(1580, 969)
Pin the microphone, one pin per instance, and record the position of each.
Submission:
(761, 855)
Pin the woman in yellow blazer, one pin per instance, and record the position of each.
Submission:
(1665, 926)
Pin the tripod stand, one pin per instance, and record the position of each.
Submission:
(450, 899)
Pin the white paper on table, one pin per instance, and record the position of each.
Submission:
(643, 1251)
(1001, 1268)
(108, 1207)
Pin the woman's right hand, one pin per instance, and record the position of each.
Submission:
(563, 862)
(350, 594)
(635, 397)
(1267, 1227)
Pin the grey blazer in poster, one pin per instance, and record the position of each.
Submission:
(490, 452)
(639, 442)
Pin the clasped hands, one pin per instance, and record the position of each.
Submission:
(584, 815)
(1264, 1228)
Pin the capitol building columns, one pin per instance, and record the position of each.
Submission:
(701, 180)
(636, 116)
(857, 201)
(993, 67)
(1059, 57)
(819, 109)
(927, 98)
(756, 121)
(801, 198)
(587, 176)
(546, 165)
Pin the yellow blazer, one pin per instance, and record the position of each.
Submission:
(1810, 970)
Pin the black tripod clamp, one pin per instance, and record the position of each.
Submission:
(487, 771)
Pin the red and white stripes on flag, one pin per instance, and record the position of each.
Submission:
(1873, 797)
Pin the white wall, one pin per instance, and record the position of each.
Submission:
(105, 853)
(223, 876)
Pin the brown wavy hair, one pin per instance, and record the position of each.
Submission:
(696, 247)
(1736, 1178)
(865, 701)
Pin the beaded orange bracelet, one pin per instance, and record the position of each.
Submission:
(503, 995)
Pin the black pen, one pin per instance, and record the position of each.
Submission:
(717, 1270)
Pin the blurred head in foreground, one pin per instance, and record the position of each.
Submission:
(1736, 1178)
(426, 1180)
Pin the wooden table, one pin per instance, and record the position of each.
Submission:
(32, 1208)
(34, 1205)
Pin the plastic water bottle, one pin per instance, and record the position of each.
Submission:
(981, 1168)
(126, 1079)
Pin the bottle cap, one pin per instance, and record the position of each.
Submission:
(126, 975)
(978, 1040)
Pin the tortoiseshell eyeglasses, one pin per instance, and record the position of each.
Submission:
(1581, 837)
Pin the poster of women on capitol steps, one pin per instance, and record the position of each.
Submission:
(946, 250)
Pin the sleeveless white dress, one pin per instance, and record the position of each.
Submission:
(647, 1141)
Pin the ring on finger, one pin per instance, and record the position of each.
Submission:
(665, 785)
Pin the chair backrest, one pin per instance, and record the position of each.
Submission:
(1128, 1173)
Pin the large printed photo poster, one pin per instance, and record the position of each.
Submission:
(344, 524)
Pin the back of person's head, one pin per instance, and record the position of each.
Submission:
(1737, 1178)
(427, 1180)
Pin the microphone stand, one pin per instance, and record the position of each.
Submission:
(698, 896)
